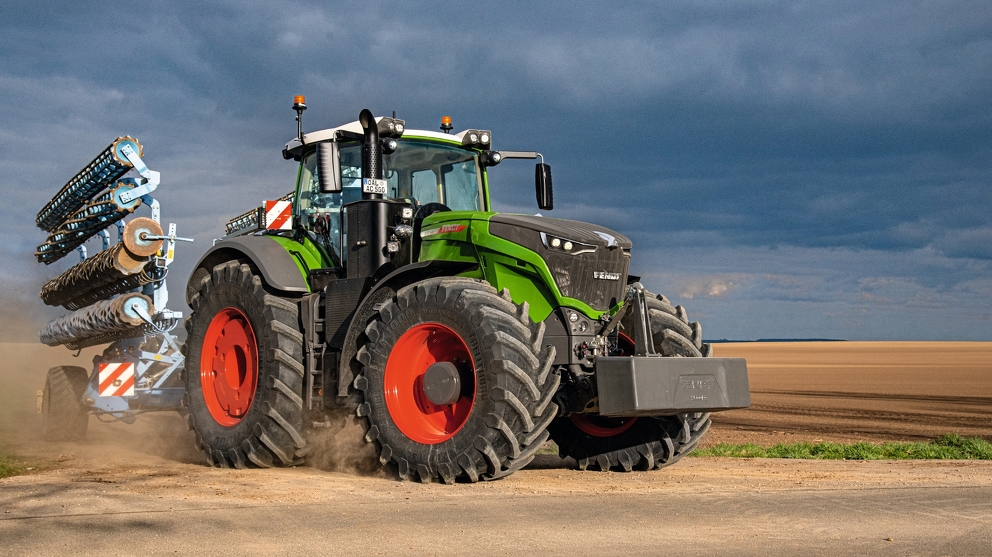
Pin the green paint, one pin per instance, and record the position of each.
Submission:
(305, 254)
(503, 264)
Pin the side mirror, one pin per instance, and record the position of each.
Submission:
(542, 183)
(327, 167)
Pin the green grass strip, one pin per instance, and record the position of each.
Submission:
(10, 467)
(946, 447)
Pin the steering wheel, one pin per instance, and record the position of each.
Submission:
(429, 209)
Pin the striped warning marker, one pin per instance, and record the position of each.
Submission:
(278, 215)
(116, 379)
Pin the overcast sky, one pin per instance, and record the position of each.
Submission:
(786, 170)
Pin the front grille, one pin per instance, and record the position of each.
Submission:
(575, 275)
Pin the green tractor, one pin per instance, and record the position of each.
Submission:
(385, 288)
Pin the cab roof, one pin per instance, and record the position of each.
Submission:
(294, 145)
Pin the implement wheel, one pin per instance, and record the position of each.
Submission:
(244, 371)
(643, 443)
(455, 382)
(65, 417)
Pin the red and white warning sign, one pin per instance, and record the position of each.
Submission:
(278, 215)
(116, 379)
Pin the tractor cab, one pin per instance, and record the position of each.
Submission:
(431, 172)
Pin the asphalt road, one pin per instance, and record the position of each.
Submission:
(700, 507)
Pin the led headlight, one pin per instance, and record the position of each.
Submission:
(391, 128)
(564, 245)
(479, 139)
(491, 158)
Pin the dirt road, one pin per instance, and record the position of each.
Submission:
(142, 489)
(152, 506)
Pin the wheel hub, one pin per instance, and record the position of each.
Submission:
(441, 383)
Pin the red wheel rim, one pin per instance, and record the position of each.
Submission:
(601, 426)
(412, 412)
(229, 367)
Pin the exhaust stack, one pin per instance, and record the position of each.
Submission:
(371, 155)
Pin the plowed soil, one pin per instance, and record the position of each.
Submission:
(860, 391)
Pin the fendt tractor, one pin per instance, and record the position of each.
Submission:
(386, 286)
(384, 289)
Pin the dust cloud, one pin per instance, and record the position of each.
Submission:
(339, 447)
(25, 368)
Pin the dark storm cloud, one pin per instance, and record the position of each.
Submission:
(807, 136)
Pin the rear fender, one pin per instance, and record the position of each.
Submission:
(279, 269)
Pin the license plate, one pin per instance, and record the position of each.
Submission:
(371, 185)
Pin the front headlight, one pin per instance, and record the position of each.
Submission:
(564, 245)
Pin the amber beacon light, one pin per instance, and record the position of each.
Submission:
(299, 105)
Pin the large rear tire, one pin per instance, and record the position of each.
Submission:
(476, 338)
(643, 443)
(244, 371)
(65, 417)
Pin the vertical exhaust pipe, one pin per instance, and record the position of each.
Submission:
(371, 152)
(368, 217)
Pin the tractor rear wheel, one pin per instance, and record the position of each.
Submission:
(244, 371)
(455, 382)
(642, 443)
(65, 417)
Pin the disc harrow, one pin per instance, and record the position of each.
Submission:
(99, 174)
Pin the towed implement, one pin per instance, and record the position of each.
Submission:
(117, 296)
(384, 288)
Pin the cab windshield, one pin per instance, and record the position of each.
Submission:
(420, 172)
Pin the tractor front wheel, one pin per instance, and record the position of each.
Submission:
(244, 371)
(455, 381)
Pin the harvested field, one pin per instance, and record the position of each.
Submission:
(860, 391)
